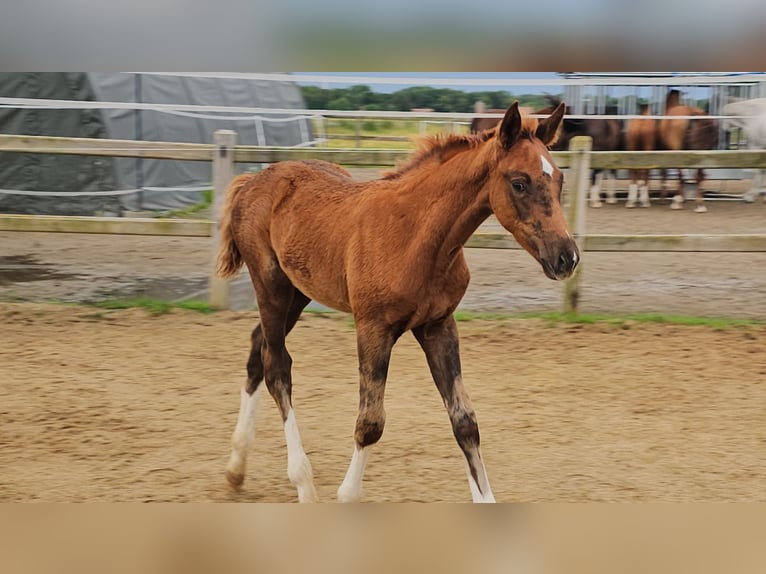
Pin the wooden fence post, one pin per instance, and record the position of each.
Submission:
(580, 147)
(223, 173)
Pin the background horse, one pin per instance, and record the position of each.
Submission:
(753, 123)
(640, 135)
(606, 135)
(480, 124)
(390, 252)
(685, 133)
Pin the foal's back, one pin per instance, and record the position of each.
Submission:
(317, 225)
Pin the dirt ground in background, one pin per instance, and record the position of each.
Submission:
(124, 406)
(41, 267)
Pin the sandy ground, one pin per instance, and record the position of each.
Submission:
(124, 406)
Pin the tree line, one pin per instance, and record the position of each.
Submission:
(361, 97)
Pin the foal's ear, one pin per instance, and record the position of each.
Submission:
(510, 128)
(547, 129)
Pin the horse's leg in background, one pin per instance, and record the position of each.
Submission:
(596, 175)
(632, 189)
(678, 198)
(611, 187)
(666, 186)
(439, 341)
(244, 433)
(374, 344)
(755, 187)
(639, 188)
(643, 188)
(699, 196)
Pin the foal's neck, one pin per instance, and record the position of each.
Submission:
(456, 204)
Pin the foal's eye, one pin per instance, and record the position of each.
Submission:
(519, 186)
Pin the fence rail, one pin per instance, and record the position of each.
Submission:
(360, 157)
(223, 155)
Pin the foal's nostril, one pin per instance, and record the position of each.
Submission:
(566, 262)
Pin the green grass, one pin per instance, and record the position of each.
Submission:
(623, 321)
(153, 306)
(159, 307)
(388, 127)
(207, 201)
(465, 316)
(718, 323)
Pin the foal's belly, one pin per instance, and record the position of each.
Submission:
(317, 282)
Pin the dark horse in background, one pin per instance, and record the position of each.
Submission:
(607, 135)
(686, 134)
(481, 124)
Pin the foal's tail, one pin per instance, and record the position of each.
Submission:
(229, 257)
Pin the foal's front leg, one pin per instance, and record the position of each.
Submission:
(374, 345)
(439, 340)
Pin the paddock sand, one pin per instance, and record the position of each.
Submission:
(125, 406)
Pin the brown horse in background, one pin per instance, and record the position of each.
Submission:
(390, 252)
(686, 134)
(640, 135)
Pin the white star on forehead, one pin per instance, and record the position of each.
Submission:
(547, 167)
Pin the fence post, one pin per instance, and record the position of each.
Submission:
(223, 173)
(358, 132)
(580, 147)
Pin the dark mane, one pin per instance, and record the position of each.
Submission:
(441, 147)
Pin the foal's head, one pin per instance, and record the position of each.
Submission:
(525, 190)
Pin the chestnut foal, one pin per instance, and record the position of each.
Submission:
(390, 252)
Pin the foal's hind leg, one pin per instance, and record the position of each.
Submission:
(439, 340)
(275, 299)
(244, 433)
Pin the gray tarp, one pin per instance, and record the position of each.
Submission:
(58, 173)
(163, 184)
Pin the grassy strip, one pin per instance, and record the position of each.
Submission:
(717, 323)
(153, 306)
(623, 321)
(207, 201)
(159, 307)
(465, 316)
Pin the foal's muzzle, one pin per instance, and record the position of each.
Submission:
(561, 261)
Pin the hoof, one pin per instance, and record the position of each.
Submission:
(234, 480)
(307, 495)
(611, 201)
(676, 205)
(646, 204)
(630, 205)
(700, 209)
(596, 205)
